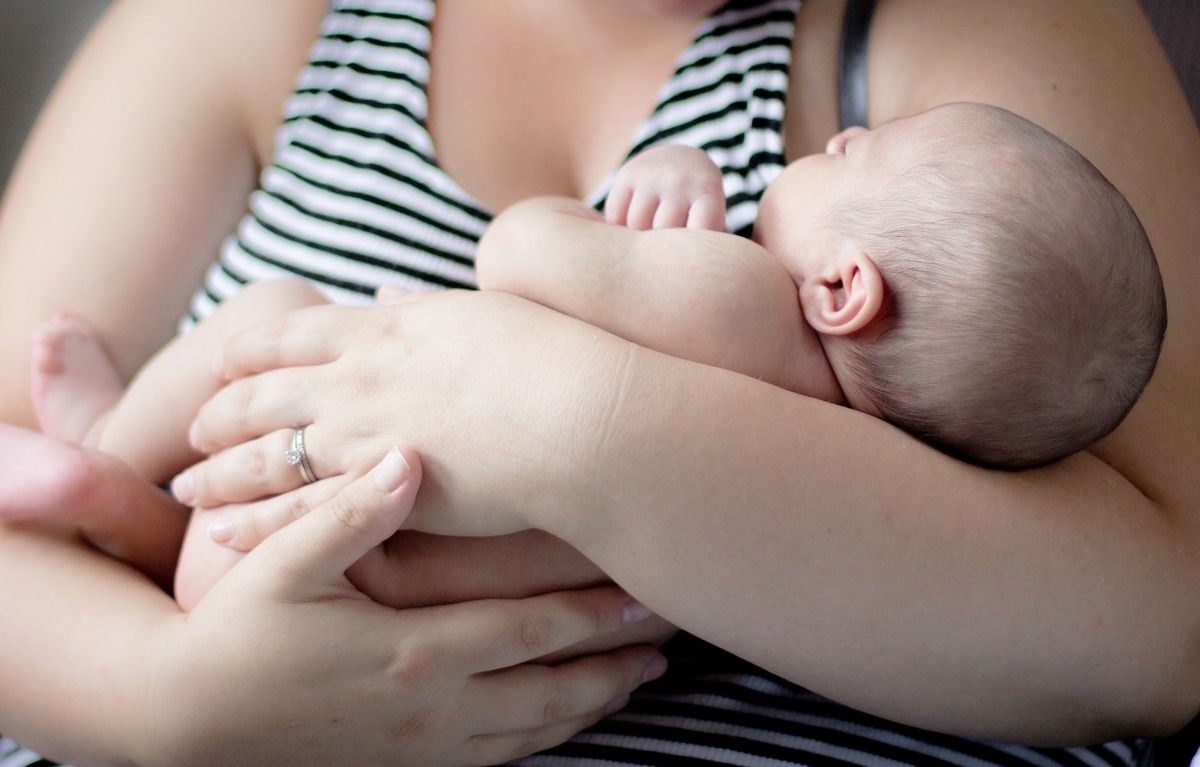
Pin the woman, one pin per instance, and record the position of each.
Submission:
(1000, 606)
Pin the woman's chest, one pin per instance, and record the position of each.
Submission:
(530, 99)
(399, 141)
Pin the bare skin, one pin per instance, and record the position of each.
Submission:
(1114, 531)
(184, 142)
(1131, 495)
(72, 381)
(79, 398)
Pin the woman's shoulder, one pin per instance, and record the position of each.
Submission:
(1032, 56)
(1028, 55)
(230, 59)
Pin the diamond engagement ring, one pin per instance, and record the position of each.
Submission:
(299, 458)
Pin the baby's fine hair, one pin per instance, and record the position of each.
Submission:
(1024, 309)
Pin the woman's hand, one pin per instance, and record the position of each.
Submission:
(412, 569)
(436, 373)
(286, 662)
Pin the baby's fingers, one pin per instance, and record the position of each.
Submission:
(672, 213)
(616, 208)
(707, 212)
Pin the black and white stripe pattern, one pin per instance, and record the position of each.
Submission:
(355, 197)
(713, 709)
(12, 755)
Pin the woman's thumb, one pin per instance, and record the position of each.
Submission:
(320, 546)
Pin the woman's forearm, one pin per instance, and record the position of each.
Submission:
(1056, 605)
(77, 628)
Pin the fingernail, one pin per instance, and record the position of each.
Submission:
(616, 704)
(655, 668)
(635, 611)
(221, 531)
(391, 472)
(183, 488)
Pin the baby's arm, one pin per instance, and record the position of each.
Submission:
(709, 297)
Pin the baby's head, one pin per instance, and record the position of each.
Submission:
(975, 281)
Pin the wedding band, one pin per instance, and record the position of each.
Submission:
(299, 458)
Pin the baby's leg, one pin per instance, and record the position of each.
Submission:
(147, 425)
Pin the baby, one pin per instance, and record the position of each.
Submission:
(962, 274)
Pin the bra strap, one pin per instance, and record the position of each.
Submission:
(852, 63)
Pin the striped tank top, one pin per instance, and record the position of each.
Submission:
(354, 198)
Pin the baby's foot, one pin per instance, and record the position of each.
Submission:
(72, 381)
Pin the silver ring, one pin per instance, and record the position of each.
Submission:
(298, 457)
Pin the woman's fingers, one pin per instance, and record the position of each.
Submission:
(350, 670)
(243, 526)
(315, 551)
(249, 408)
(311, 336)
(538, 707)
(489, 635)
(533, 696)
(252, 470)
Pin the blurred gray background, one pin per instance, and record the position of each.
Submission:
(36, 39)
(38, 36)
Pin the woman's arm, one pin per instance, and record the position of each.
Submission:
(139, 163)
(1051, 606)
(1048, 606)
(1056, 605)
(139, 167)
(1061, 604)
(284, 662)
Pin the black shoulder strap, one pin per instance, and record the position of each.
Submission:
(852, 63)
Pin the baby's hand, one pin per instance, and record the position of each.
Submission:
(668, 187)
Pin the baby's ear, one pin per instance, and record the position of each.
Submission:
(846, 297)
